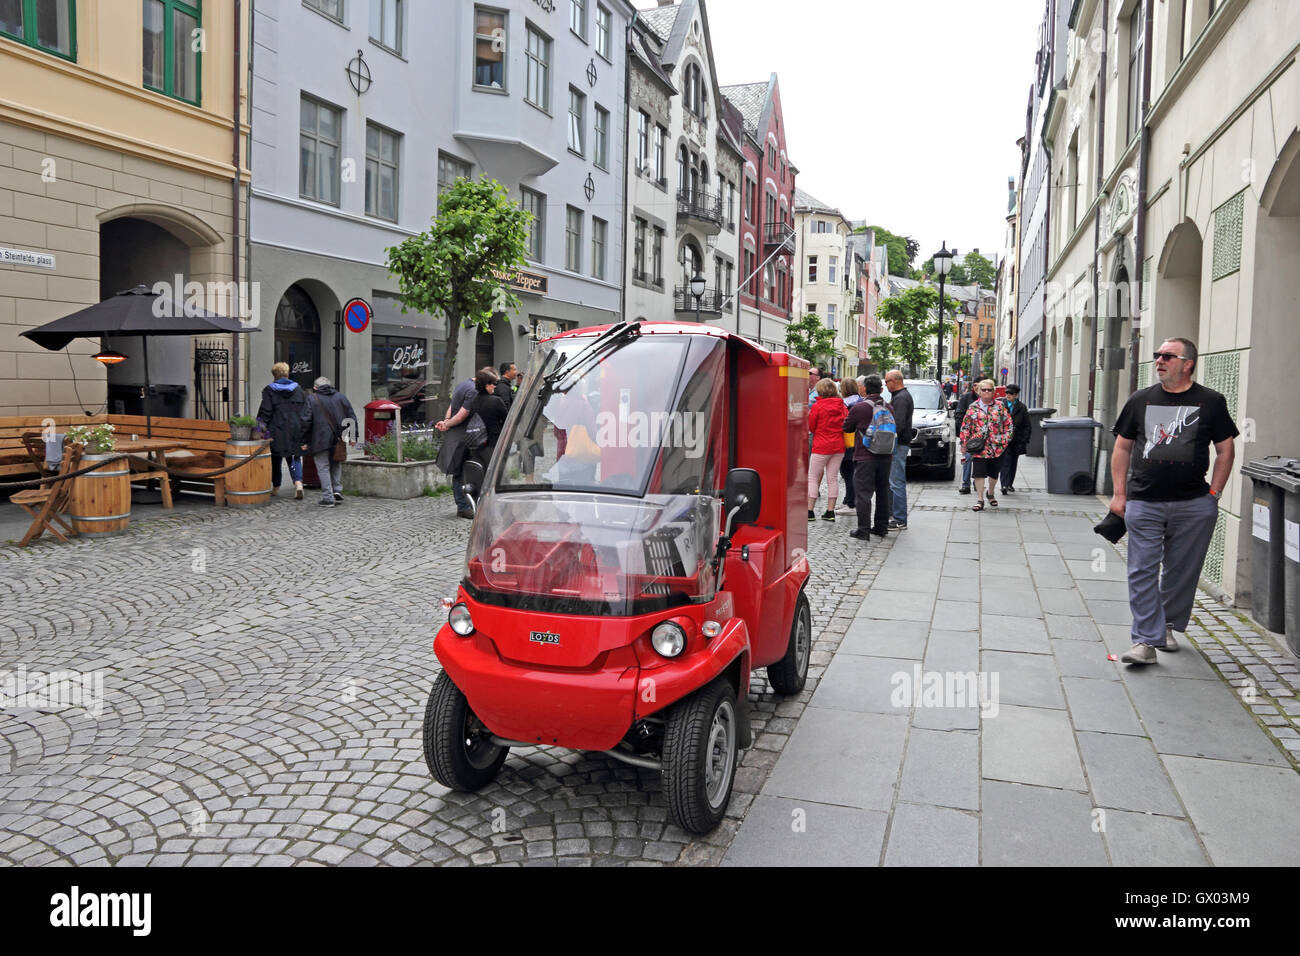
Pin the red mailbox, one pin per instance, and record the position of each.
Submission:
(380, 415)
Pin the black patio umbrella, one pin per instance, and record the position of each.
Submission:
(137, 311)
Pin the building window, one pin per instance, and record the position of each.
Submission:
(830, 269)
(598, 248)
(812, 268)
(683, 164)
(573, 239)
(731, 273)
(771, 209)
(600, 145)
(535, 203)
(330, 8)
(319, 144)
(1135, 25)
(642, 140)
(50, 25)
(171, 46)
(382, 148)
(489, 49)
(830, 316)
(538, 90)
(771, 156)
(386, 24)
(604, 32)
(731, 204)
(661, 151)
(657, 258)
(450, 169)
(769, 283)
(638, 250)
(577, 121)
(578, 18)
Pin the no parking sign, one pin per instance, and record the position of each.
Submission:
(357, 314)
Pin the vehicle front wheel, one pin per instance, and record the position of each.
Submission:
(700, 756)
(790, 673)
(457, 746)
(950, 471)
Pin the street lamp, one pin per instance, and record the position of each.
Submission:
(697, 290)
(942, 265)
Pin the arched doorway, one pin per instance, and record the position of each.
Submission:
(1178, 304)
(1052, 388)
(1118, 313)
(297, 336)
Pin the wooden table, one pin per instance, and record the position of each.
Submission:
(155, 449)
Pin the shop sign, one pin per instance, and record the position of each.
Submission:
(522, 281)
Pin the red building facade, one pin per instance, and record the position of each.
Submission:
(767, 213)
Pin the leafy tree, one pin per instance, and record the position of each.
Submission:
(809, 338)
(880, 350)
(457, 267)
(979, 270)
(912, 320)
(902, 249)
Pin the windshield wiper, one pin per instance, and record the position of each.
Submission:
(581, 361)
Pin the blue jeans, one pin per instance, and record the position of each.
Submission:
(1175, 534)
(965, 470)
(458, 494)
(898, 484)
(295, 469)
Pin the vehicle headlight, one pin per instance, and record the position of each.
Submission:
(668, 639)
(460, 620)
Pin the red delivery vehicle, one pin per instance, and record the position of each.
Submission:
(638, 549)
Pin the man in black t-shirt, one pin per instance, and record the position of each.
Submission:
(1162, 452)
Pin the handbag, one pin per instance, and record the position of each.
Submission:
(475, 433)
(339, 452)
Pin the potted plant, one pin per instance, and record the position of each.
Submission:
(241, 427)
(97, 439)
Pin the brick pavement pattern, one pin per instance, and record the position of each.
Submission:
(264, 681)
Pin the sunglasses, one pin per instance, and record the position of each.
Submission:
(1167, 356)
(986, 389)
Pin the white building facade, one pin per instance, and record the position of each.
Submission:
(825, 279)
(365, 110)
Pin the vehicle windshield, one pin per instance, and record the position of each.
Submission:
(926, 396)
(642, 417)
(577, 553)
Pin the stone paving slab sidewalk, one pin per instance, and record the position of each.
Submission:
(1061, 756)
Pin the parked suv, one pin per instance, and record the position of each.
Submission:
(934, 442)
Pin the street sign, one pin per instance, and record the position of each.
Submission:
(1004, 371)
(357, 314)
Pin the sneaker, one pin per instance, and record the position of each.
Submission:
(860, 534)
(812, 515)
(297, 490)
(965, 489)
(895, 525)
(338, 498)
(828, 515)
(1140, 654)
(326, 504)
(1170, 645)
(464, 514)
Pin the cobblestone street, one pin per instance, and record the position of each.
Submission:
(265, 675)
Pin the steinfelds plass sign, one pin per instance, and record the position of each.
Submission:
(523, 281)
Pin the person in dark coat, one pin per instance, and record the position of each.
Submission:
(332, 413)
(285, 416)
(1019, 438)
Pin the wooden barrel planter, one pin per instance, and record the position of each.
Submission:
(250, 485)
(101, 499)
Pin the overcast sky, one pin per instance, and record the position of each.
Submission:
(902, 112)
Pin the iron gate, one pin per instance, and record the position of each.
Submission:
(211, 381)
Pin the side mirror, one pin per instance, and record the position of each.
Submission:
(744, 490)
(471, 478)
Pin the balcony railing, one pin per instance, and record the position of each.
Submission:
(779, 234)
(859, 305)
(684, 300)
(703, 207)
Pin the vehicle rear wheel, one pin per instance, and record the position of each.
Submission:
(457, 746)
(790, 673)
(700, 756)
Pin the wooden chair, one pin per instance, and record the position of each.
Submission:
(34, 444)
(49, 503)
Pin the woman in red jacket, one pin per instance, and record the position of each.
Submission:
(826, 424)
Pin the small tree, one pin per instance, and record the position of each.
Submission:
(459, 266)
(911, 318)
(809, 338)
(881, 351)
(979, 271)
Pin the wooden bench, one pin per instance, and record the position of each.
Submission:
(205, 450)
(15, 459)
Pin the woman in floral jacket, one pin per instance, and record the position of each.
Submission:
(988, 419)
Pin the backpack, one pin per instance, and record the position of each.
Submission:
(881, 435)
